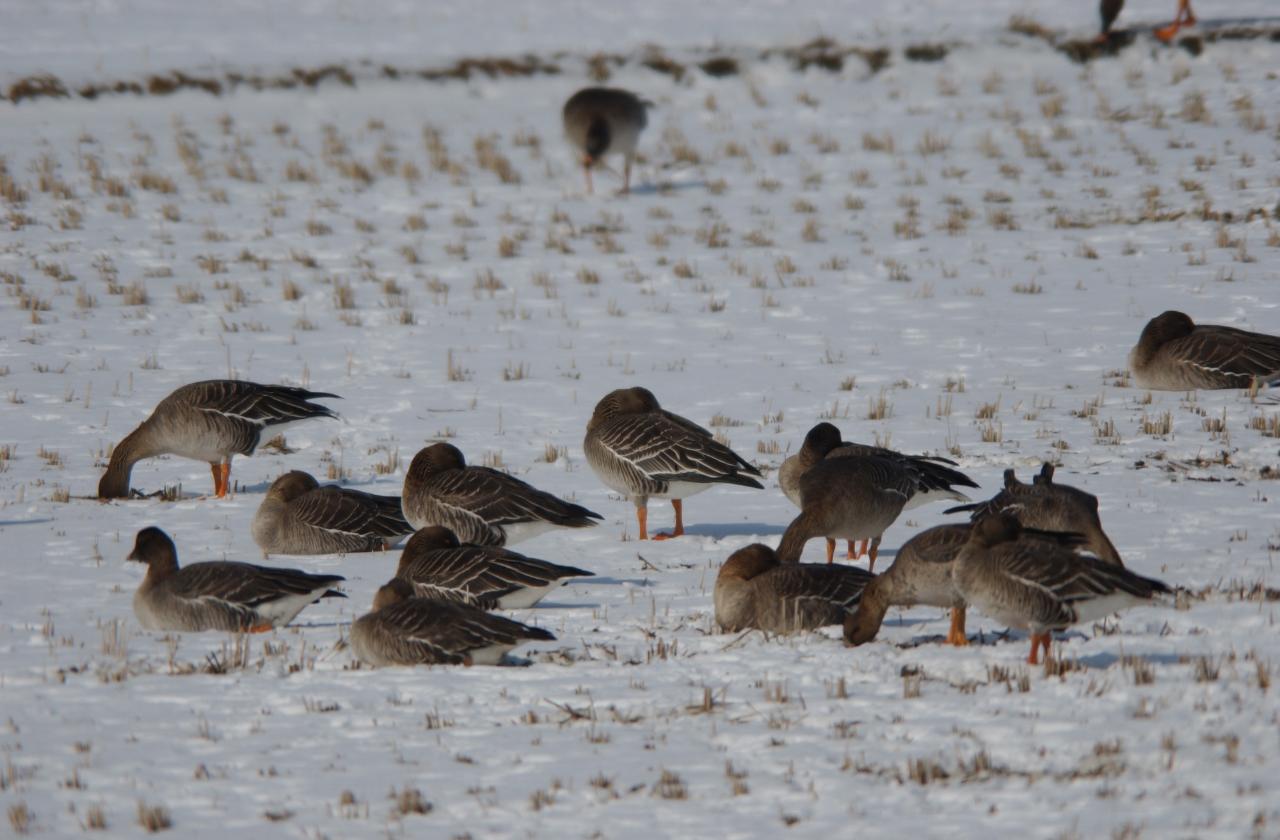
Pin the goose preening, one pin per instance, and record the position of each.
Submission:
(481, 505)
(601, 121)
(642, 451)
(227, 596)
(1048, 506)
(298, 516)
(920, 574)
(438, 566)
(1038, 582)
(1176, 354)
(210, 421)
(755, 590)
(404, 629)
(1109, 10)
(936, 476)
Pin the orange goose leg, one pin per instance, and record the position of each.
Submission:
(871, 553)
(216, 469)
(642, 520)
(1038, 640)
(1184, 18)
(225, 468)
(956, 635)
(831, 551)
(678, 531)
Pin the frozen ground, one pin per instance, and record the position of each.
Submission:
(949, 256)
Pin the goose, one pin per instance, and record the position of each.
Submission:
(1048, 506)
(755, 590)
(298, 516)
(481, 505)
(920, 574)
(642, 451)
(227, 596)
(404, 629)
(438, 566)
(211, 421)
(601, 121)
(1176, 354)
(823, 441)
(1039, 583)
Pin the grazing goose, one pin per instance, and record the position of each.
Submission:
(1037, 582)
(232, 597)
(1049, 507)
(481, 505)
(754, 590)
(298, 516)
(643, 452)
(602, 121)
(209, 421)
(1176, 354)
(823, 441)
(439, 567)
(920, 574)
(407, 630)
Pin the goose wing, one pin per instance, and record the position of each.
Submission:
(501, 499)
(454, 629)
(666, 447)
(801, 582)
(487, 574)
(1224, 351)
(253, 403)
(246, 585)
(346, 511)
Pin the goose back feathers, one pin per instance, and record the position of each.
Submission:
(298, 516)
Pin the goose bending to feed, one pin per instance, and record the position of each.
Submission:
(1048, 506)
(227, 596)
(601, 121)
(1176, 354)
(298, 516)
(438, 566)
(920, 574)
(643, 452)
(1039, 583)
(755, 590)
(823, 441)
(481, 505)
(404, 629)
(209, 421)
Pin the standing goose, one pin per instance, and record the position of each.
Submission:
(641, 451)
(1175, 354)
(754, 590)
(298, 516)
(209, 421)
(1049, 507)
(920, 574)
(481, 505)
(601, 121)
(823, 441)
(232, 597)
(1038, 583)
(487, 577)
(407, 630)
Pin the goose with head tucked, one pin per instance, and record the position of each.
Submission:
(643, 451)
(404, 629)
(1176, 354)
(754, 590)
(481, 505)
(298, 516)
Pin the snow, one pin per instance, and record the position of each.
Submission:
(985, 276)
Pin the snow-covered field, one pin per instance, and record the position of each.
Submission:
(948, 256)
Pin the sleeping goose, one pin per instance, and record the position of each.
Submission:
(209, 421)
(920, 574)
(823, 441)
(1175, 354)
(1048, 506)
(298, 516)
(641, 451)
(227, 596)
(481, 505)
(601, 121)
(754, 590)
(407, 630)
(439, 567)
(1038, 582)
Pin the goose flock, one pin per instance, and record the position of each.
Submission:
(1034, 556)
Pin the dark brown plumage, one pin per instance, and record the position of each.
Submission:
(298, 516)
(1176, 354)
(754, 590)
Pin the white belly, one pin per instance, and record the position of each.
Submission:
(524, 598)
(520, 531)
(681, 490)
